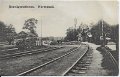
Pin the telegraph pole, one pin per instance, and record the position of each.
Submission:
(41, 31)
(75, 21)
(74, 29)
(103, 34)
(102, 27)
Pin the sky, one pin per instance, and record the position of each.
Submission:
(56, 20)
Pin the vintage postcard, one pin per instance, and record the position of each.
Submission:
(59, 38)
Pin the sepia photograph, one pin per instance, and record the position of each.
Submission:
(59, 38)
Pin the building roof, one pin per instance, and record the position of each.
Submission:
(26, 34)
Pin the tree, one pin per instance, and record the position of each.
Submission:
(30, 25)
(72, 34)
(2, 31)
(10, 33)
(96, 31)
(7, 33)
(115, 35)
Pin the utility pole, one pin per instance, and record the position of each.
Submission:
(103, 34)
(74, 29)
(102, 27)
(41, 31)
(75, 21)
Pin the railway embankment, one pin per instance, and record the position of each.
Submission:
(103, 62)
(110, 61)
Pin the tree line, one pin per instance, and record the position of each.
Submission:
(110, 31)
(8, 33)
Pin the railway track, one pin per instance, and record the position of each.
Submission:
(113, 65)
(113, 59)
(10, 49)
(29, 52)
(51, 61)
(80, 65)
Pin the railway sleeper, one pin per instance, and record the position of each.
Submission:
(78, 71)
(80, 68)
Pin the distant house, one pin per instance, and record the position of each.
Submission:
(29, 34)
(46, 42)
(89, 37)
(23, 34)
(26, 35)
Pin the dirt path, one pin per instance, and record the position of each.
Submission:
(101, 64)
